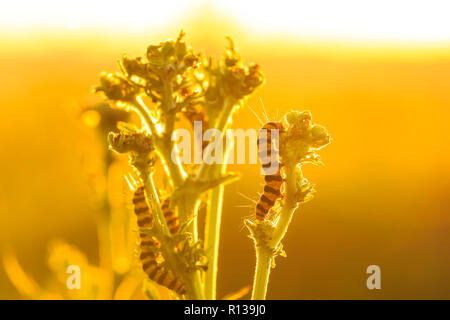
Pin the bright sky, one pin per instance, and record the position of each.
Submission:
(402, 20)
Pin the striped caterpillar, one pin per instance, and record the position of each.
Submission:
(173, 223)
(197, 115)
(273, 182)
(149, 247)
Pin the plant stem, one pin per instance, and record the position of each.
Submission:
(222, 122)
(262, 272)
(187, 208)
(265, 253)
(193, 279)
(213, 221)
(163, 144)
(212, 236)
(154, 202)
(286, 214)
(174, 169)
(195, 286)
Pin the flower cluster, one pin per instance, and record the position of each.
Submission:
(134, 142)
(229, 79)
(302, 138)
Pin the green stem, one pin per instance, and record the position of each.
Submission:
(212, 227)
(163, 144)
(265, 252)
(227, 112)
(192, 279)
(195, 287)
(154, 201)
(174, 169)
(142, 110)
(212, 236)
(286, 215)
(176, 173)
(293, 174)
(187, 208)
(263, 266)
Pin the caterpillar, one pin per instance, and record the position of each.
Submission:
(149, 246)
(171, 217)
(141, 209)
(197, 115)
(273, 182)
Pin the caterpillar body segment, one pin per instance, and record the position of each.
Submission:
(158, 273)
(149, 247)
(173, 223)
(152, 267)
(273, 181)
(141, 209)
(272, 192)
(265, 143)
(196, 115)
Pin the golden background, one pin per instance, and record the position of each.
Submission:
(382, 195)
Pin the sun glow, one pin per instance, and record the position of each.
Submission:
(131, 15)
(374, 20)
(382, 20)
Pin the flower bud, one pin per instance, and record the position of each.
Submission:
(134, 142)
(134, 67)
(319, 136)
(297, 118)
(115, 87)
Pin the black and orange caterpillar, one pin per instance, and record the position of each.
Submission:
(173, 223)
(149, 255)
(273, 182)
(193, 115)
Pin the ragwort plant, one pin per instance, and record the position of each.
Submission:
(172, 82)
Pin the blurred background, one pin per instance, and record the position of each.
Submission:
(376, 74)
